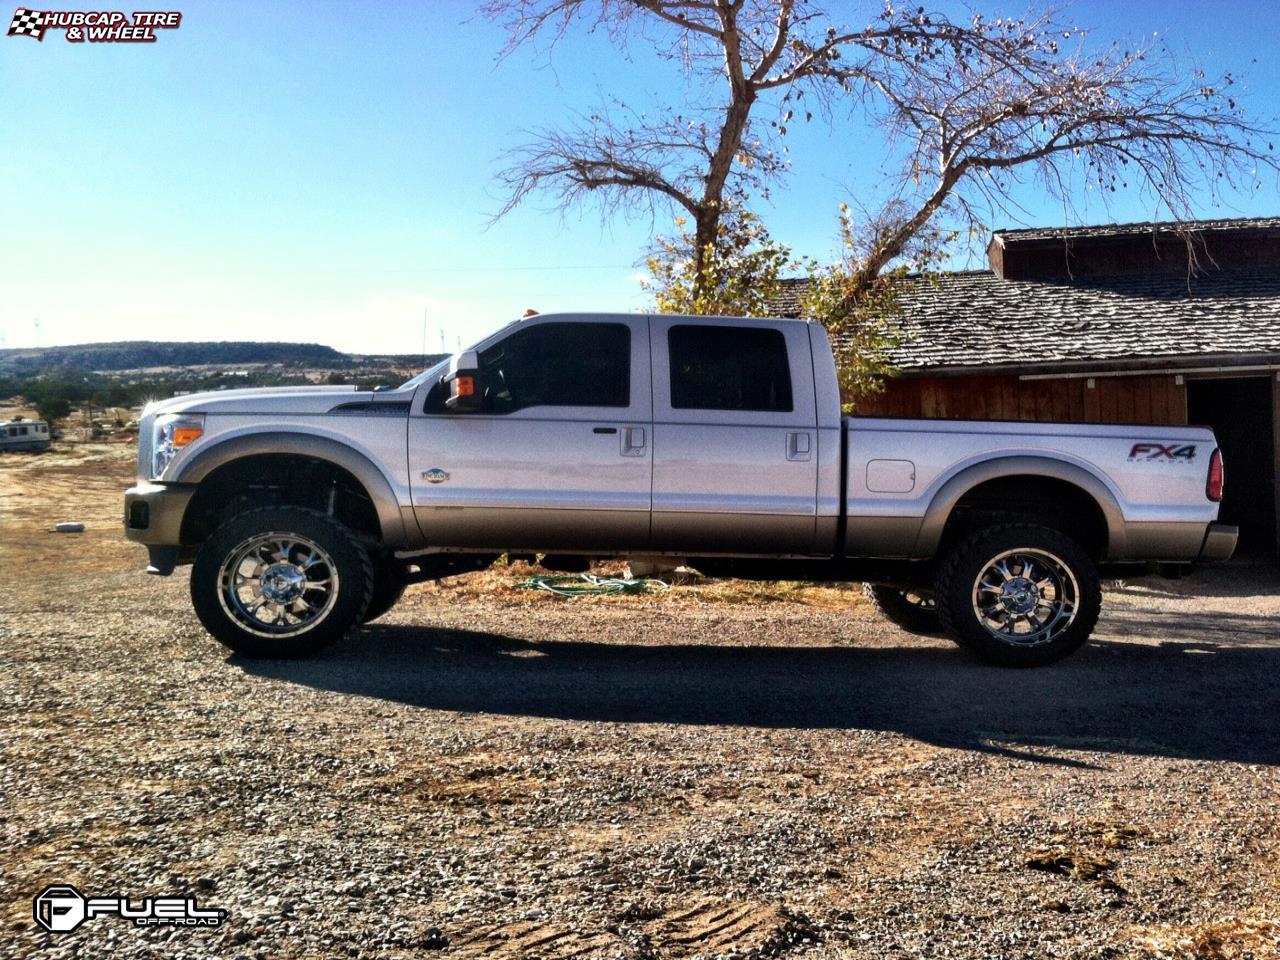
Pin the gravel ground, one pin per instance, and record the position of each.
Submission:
(489, 773)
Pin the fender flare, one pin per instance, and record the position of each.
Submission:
(314, 447)
(949, 494)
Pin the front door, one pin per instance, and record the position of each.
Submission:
(558, 457)
(735, 436)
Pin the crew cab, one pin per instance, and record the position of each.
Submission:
(304, 511)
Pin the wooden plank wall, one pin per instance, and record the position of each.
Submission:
(1138, 399)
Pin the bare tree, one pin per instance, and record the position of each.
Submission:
(977, 119)
(694, 162)
(969, 108)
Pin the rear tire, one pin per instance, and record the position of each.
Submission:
(915, 611)
(280, 582)
(1019, 595)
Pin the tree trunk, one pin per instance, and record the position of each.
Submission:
(741, 98)
(891, 245)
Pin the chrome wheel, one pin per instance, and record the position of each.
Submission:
(1026, 597)
(278, 584)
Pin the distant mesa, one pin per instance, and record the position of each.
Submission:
(142, 354)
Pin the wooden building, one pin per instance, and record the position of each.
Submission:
(1125, 323)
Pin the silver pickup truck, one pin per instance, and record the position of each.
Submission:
(305, 511)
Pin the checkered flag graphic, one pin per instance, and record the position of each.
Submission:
(27, 23)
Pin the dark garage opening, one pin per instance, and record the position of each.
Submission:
(1240, 411)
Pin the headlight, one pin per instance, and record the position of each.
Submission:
(169, 434)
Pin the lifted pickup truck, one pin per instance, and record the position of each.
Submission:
(306, 510)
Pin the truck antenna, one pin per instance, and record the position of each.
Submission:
(425, 311)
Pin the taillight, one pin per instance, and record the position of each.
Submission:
(1213, 489)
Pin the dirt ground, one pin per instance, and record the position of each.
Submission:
(716, 771)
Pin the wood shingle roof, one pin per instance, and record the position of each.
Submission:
(1095, 297)
(974, 321)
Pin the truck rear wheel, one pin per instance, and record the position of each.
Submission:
(1019, 594)
(913, 610)
(280, 582)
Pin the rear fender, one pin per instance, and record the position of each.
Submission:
(952, 490)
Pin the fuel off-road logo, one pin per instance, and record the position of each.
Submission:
(1163, 452)
(61, 908)
(96, 26)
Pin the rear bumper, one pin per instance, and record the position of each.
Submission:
(153, 515)
(1219, 542)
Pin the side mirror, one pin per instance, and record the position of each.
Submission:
(464, 383)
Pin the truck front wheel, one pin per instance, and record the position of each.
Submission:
(911, 609)
(280, 582)
(388, 587)
(1019, 594)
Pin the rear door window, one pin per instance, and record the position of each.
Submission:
(729, 368)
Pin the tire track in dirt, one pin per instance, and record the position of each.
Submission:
(719, 927)
(541, 941)
(707, 927)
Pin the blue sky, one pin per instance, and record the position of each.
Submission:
(322, 171)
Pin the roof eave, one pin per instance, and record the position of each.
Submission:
(1145, 364)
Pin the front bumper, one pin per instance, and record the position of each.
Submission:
(153, 515)
(1219, 542)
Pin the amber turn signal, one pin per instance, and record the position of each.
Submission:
(185, 435)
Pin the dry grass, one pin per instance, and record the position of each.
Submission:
(500, 584)
(16, 407)
(1230, 939)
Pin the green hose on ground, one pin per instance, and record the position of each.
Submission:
(581, 585)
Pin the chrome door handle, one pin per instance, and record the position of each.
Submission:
(799, 445)
(633, 442)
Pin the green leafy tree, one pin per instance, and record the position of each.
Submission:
(738, 273)
(52, 406)
(860, 309)
(742, 274)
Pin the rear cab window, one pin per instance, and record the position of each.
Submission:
(729, 368)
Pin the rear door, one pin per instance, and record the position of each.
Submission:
(558, 456)
(735, 464)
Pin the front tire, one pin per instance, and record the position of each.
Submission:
(280, 582)
(915, 611)
(388, 587)
(1019, 595)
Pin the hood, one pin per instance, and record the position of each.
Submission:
(265, 400)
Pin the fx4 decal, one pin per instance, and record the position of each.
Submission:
(1171, 452)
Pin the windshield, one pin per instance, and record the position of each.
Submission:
(434, 373)
(431, 373)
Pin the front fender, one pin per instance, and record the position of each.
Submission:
(379, 487)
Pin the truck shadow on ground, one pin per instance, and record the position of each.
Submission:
(1186, 697)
